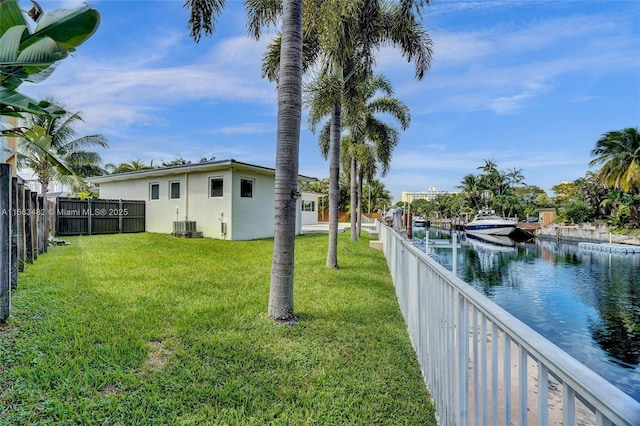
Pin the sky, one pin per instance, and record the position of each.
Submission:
(531, 85)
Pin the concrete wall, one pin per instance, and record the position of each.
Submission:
(253, 217)
(582, 232)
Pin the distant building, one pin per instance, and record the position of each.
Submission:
(58, 188)
(410, 197)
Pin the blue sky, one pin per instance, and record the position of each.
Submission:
(531, 85)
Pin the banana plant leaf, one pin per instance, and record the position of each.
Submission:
(17, 103)
(41, 54)
(10, 15)
(26, 56)
(68, 27)
(10, 44)
(40, 141)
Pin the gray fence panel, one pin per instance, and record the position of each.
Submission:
(5, 241)
(134, 220)
(90, 217)
(14, 233)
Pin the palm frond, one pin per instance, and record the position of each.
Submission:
(203, 15)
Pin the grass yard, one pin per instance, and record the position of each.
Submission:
(145, 329)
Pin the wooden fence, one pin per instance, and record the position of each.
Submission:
(5, 241)
(90, 217)
(23, 224)
(26, 218)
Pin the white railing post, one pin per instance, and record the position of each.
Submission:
(462, 371)
(454, 252)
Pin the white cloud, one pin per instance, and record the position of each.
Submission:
(122, 93)
(504, 67)
(510, 104)
(247, 128)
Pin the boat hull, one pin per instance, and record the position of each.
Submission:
(491, 240)
(491, 228)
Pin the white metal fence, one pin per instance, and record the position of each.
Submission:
(485, 367)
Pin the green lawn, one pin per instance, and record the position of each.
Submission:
(147, 329)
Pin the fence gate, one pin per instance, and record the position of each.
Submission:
(89, 217)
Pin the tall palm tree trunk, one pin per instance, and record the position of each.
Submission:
(354, 197)
(287, 158)
(334, 183)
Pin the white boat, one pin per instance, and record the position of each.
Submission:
(420, 222)
(488, 222)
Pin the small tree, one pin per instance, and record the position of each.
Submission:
(576, 211)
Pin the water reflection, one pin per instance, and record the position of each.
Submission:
(487, 265)
(587, 303)
(618, 329)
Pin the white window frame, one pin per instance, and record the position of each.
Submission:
(171, 197)
(151, 185)
(253, 182)
(215, 178)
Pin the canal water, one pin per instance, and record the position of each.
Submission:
(587, 303)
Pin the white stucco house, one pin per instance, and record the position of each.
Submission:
(226, 199)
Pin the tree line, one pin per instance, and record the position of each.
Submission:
(610, 194)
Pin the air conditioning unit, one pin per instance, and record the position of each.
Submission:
(184, 226)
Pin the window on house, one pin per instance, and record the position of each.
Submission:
(215, 187)
(308, 206)
(154, 191)
(246, 188)
(174, 190)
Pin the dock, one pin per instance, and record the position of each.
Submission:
(610, 248)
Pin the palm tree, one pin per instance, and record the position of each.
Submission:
(37, 153)
(341, 40)
(470, 185)
(203, 14)
(50, 149)
(367, 169)
(514, 177)
(364, 126)
(619, 153)
(377, 196)
(490, 178)
(74, 152)
(370, 141)
(132, 165)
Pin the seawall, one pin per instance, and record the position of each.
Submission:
(584, 233)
